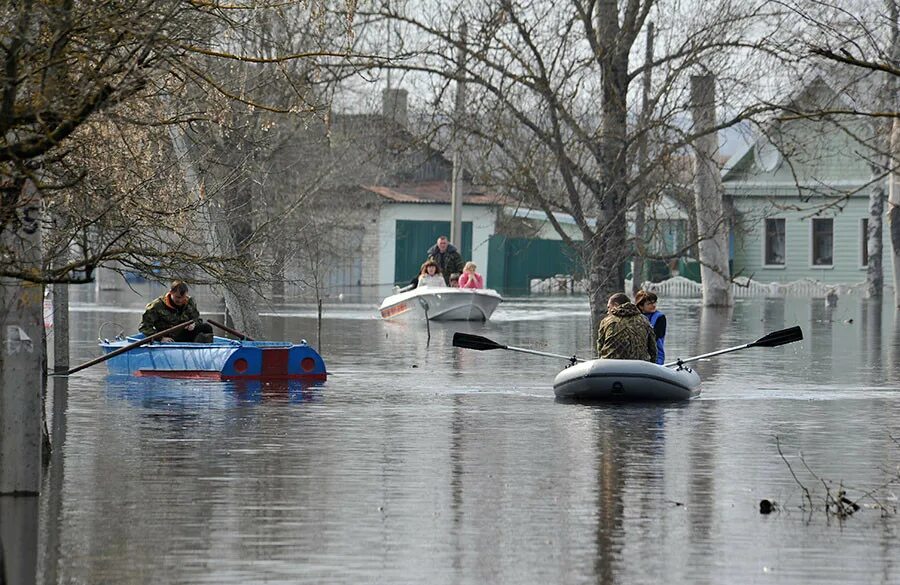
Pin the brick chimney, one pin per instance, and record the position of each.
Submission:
(393, 105)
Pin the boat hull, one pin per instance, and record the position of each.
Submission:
(625, 381)
(224, 359)
(442, 304)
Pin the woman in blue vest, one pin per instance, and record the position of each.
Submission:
(646, 302)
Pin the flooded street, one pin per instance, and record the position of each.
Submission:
(418, 462)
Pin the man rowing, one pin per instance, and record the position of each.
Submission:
(171, 309)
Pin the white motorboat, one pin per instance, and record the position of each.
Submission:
(442, 304)
(626, 380)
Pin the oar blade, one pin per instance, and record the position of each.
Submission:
(781, 337)
(469, 341)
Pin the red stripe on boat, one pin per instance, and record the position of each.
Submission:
(274, 363)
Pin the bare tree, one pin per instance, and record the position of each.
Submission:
(552, 95)
(864, 40)
(87, 93)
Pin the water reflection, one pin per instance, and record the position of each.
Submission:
(423, 463)
(275, 391)
(54, 478)
(191, 397)
(630, 443)
(714, 322)
(871, 346)
(19, 539)
(820, 337)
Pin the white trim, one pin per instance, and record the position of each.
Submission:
(812, 222)
(765, 241)
(863, 242)
(794, 185)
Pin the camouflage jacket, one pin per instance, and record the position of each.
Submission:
(159, 317)
(625, 334)
(449, 262)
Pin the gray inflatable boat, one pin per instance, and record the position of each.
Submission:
(626, 381)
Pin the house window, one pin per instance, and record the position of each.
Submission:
(823, 241)
(774, 242)
(864, 241)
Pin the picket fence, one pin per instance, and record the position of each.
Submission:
(679, 286)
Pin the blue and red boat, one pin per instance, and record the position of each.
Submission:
(223, 359)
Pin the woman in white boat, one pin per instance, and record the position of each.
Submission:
(470, 278)
(430, 275)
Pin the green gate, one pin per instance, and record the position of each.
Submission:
(513, 262)
(413, 240)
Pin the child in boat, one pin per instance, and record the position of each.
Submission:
(470, 278)
(646, 302)
(454, 280)
(430, 275)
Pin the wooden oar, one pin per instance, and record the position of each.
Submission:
(130, 346)
(227, 329)
(774, 339)
(480, 343)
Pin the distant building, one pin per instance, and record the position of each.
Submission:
(800, 195)
(388, 203)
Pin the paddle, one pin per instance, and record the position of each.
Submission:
(480, 343)
(774, 339)
(227, 329)
(130, 346)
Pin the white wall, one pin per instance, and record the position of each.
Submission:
(483, 220)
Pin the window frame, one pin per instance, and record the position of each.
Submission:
(863, 243)
(812, 243)
(765, 255)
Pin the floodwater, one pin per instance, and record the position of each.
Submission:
(418, 462)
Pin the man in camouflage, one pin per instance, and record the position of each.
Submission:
(624, 333)
(446, 257)
(171, 309)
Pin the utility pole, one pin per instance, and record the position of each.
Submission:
(21, 355)
(456, 192)
(640, 204)
(711, 224)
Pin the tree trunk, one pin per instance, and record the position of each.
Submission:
(60, 301)
(240, 300)
(711, 223)
(22, 359)
(278, 288)
(894, 208)
(893, 158)
(606, 250)
(874, 235)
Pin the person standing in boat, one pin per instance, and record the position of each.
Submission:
(646, 302)
(447, 258)
(430, 275)
(624, 333)
(171, 309)
(470, 278)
